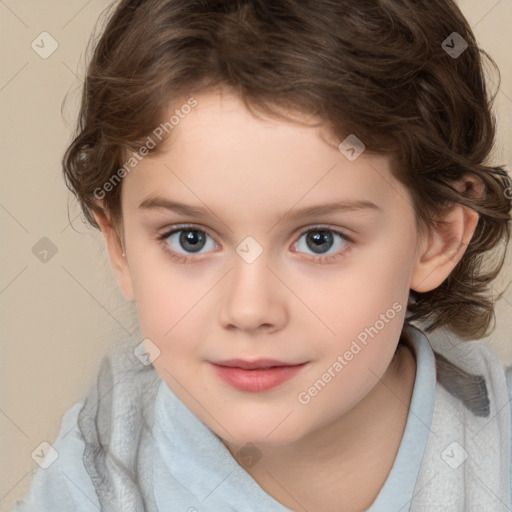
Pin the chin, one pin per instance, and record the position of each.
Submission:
(242, 435)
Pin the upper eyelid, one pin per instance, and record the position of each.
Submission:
(341, 231)
(184, 227)
(301, 231)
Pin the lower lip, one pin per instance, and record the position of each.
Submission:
(256, 380)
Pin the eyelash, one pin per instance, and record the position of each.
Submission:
(179, 258)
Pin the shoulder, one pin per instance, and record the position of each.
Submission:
(508, 374)
(61, 482)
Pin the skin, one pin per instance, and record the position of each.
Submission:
(247, 173)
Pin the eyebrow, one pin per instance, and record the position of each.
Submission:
(153, 202)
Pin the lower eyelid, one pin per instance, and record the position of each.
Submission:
(329, 256)
(187, 256)
(165, 236)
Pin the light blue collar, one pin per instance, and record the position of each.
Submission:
(398, 490)
(191, 460)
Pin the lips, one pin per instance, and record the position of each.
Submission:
(252, 365)
(255, 376)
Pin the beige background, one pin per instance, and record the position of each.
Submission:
(58, 316)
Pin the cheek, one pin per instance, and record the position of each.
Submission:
(355, 297)
(163, 296)
(174, 310)
(363, 308)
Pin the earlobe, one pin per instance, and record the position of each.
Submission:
(443, 248)
(117, 255)
(446, 243)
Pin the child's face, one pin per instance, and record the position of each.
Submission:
(251, 178)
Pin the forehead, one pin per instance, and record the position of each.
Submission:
(219, 153)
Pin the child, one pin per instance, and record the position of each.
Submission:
(296, 196)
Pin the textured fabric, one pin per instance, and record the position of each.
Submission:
(65, 485)
(467, 462)
(131, 445)
(116, 423)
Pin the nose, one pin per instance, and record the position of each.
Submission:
(253, 298)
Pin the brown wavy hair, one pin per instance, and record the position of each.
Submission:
(374, 68)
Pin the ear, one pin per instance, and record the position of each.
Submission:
(117, 254)
(443, 247)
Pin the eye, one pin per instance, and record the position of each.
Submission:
(320, 240)
(181, 242)
(185, 240)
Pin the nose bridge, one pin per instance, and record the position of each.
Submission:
(251, 298)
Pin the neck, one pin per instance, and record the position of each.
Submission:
(346, 462)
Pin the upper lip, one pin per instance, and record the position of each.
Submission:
(252, 365)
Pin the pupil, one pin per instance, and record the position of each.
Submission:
(191, 240)
(321, 240)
